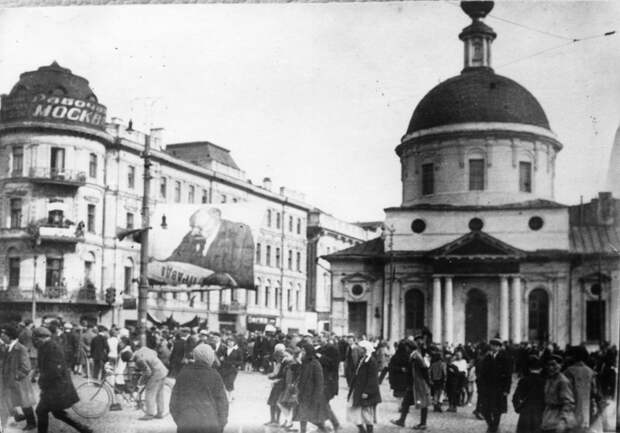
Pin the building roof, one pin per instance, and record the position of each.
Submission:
(201, 153)
(528, 204)
(593, 239)
(477, 95)
(369, 249)
(53, 80)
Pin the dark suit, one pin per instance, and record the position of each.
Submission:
(330, 360)
(229, 365)
(178, 356)
(494, 376)
(231, 252)
(99, 350)
(57, 390)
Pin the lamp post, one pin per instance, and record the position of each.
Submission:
(391, 230)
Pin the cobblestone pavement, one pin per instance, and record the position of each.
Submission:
(249, 411)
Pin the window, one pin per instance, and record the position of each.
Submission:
(177, 191)
(53, 272)
(128, 279)
(278, 220)
(88, 270)
(476, 174)
(298, 226)
(205, 196)
(268, 255)
(277, 296)
(298, 262)
(129, 224)
(289, 296)
(57, 161)
(90, 225)
(595, 320)
(268, 217)
(18, 160)
(92, 165)
(298, 299)
(191, 193)
(16, 213)
(289, 261)
(14, 263)
(258, 253)
(55, 217)
(428, 179)
(525, 176)
(290, 224)
(267, 295)
(131, 177)
(277, 257)
(163, 187)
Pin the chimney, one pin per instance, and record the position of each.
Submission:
(605, 211)
(267, 184)
(157, 138)
(282, 190)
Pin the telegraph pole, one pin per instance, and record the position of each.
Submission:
(391, 285)
(143, 288)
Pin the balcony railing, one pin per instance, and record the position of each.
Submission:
(232, 307)
(48, 175)
(53, 233)
(55, 294)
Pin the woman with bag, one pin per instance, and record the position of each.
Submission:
(198, 403)
(364, 392)
(289, 399)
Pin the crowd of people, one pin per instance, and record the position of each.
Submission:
(554, 390)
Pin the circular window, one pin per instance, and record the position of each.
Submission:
(595, 289)
(418, 225)
(536, 223)
(475, 224)
(357, 290)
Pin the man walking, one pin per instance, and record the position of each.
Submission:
(494, 380)
(99, 350)
(57, 390)
(330, 359)
(16, 371)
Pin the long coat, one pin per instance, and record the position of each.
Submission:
(421, 381)
(70, 344)
(399, 370)
(229, 366)
(365, 381)
(330, 359)
(16, 377)
(198, 403)
(583, 383)
(57, 390)
(559, 403)
(494, 378)
(312, 404)
(99, 348)
(529, 402)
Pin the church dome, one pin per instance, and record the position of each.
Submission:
(477, 95)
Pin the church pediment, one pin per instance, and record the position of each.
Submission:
(477, 244)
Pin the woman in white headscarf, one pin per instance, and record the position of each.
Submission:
(198, 403)
(364, 392)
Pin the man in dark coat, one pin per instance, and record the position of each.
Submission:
(312, 407)
(57, 390)
(231, 361)
(529, 398)
(330, 360)
(494, 379)
(70, 344)
(222, 246)
(99, 350)
(352, 357)
(15, 371)
(179, 353)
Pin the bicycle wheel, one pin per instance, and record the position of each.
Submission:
(167, 390)
(95, 399)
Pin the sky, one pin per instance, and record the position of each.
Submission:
(316, 96)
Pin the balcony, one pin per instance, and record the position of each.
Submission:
(233, 307)
(48, 175)
(50, 295)
(49, 233)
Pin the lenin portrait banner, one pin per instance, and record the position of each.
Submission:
(210, 246)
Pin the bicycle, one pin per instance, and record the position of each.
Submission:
(96, 396)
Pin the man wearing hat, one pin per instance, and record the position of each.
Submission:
(529, 397)
(70, 345)
(494, 380)
(57, 390)
(559, 415)
(179, 353)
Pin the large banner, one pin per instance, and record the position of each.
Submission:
(210, 246)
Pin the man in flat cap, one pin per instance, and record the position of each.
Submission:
(57, 390)
(494, 380)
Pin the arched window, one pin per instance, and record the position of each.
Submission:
(538, 315)
(267, 293)
(414, 311)
(14, 266)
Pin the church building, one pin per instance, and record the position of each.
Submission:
(478, 247)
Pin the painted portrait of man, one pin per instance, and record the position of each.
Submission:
(222, 246)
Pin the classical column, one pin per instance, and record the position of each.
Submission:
(448, 311)
(516, 309)
(437, 309)
(503, 308)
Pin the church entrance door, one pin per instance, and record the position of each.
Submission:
(357, 318)
(476, 317)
